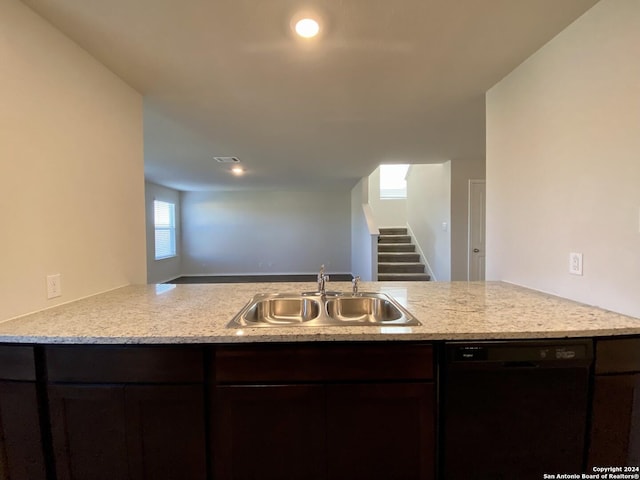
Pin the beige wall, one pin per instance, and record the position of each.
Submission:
(461, 172)
(265, 232)
(364, 233)
(428, 206)
(71, 168)
(438, 194)
(388, 212)
(563, 163)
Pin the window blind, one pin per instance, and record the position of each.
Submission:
(165, 229)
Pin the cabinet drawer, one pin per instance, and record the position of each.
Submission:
(17, 363)
(323, 362)
(618, 355)
(124, 364)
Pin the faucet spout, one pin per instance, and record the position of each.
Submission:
(355, 284)
(323, 278)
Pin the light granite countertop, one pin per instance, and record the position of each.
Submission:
(199, 313)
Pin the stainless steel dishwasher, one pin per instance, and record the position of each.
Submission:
(513, 409)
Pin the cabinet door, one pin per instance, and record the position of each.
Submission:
(381, 431)
(88, 430)
(271, 432)
(166, 432)
(21, 454)
(615, 424)
(128, 432)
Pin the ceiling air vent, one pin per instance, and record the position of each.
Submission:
(227, 159)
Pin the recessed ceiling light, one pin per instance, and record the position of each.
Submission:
(237, 170)
(307, 27)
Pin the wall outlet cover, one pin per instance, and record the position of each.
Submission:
(575, 263)
(54, 285)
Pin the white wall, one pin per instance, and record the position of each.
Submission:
(159, 271)
(461, 172)
(428, 206)
(364, 234)
(71, 168)
(388, 212)
(563, 163)
(265, 232)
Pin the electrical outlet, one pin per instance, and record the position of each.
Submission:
(54, 286)
(575, 263)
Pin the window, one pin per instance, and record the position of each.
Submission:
(393, 183)
(164, 215)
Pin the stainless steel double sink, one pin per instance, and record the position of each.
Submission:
(317, 310)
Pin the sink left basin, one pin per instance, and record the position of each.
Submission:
(278, 309)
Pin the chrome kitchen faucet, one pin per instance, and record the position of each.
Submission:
(323, 278)
(355, 284)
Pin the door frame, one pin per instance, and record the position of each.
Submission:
(473, 182)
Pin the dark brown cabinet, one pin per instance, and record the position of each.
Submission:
(21, 452)
(149, 425)
(269, 432)
(89, 431)
(380, 431)
(615, 422)
(168, 431)
(324, 412)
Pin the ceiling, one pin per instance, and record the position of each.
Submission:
(387, 81)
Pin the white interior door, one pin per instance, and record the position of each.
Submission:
(476, 255)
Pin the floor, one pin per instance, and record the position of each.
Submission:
(259, 278)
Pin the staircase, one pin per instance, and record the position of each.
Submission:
(397, 257)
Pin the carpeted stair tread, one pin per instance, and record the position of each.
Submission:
(406, 277)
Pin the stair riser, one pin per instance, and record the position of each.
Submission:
(402, 257)
(393, 231)
(395, 239)
(390, 277)
(410, 268)
(396, 247)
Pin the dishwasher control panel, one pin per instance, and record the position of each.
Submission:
(519, 351)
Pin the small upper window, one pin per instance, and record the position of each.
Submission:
(393, 183)
(165, 228)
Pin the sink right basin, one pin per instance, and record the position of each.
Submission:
(363, 309)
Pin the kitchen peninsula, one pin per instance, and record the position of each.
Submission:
(200, 313)
(149, 382)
